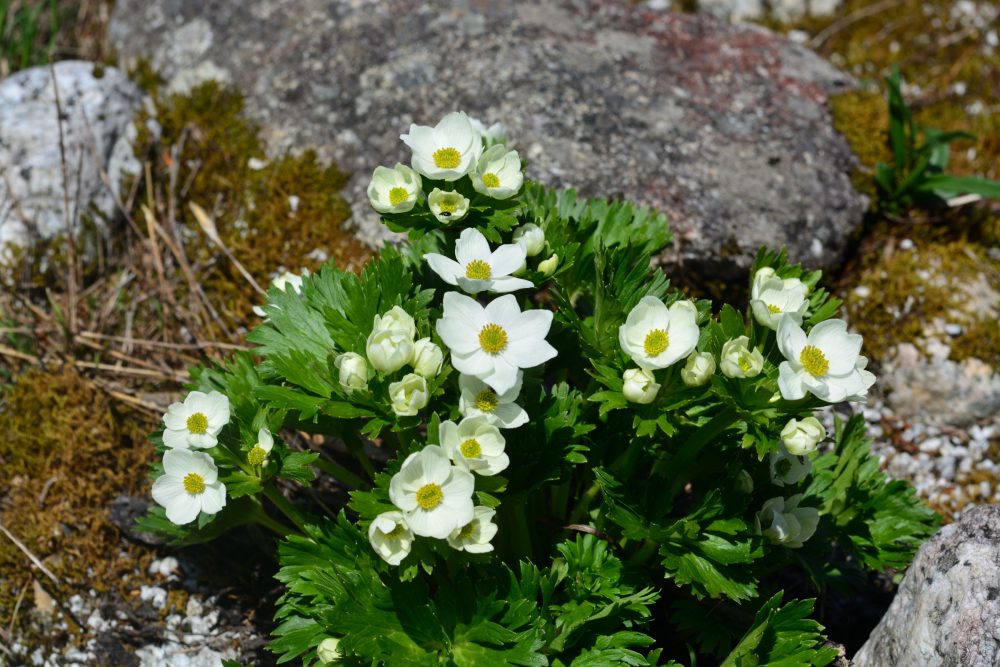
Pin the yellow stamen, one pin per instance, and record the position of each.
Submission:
(491, 180)
(493, 339)
(429, 496)
(773, 309)
(447, 158)
(471, 449)
(447, 206)
(194, 483)
(395, 532)
(477, 269)
(656, 342)
(467, 531)
(197, 423)
(398, 195)
(487, 400)
(744, 363)
(256, 456)
(814, 361)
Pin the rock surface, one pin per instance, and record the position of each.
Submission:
(947, 610)
(98, 104)
(724, 128)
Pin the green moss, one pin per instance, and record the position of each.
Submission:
(65, 456)
(863, 119)
(286, 214)
(901, 293)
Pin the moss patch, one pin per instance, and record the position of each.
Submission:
(274, 215)
(65, 456)
(908, 295)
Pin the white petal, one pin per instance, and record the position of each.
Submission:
(505, 312)
(167, 488)
(508, 258)
(458, 335)
(447, 268)
(790, 382)
(183, 509)
(464, 308)
(791, 338)
(528, 353)
(476, 363)
(472, 245)
(175, 439)
(509, 415)
(213, 499)
(505, 285)
(503, 375)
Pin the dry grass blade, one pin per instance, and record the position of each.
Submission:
(208, 226)
(27, 552)
(71, 258)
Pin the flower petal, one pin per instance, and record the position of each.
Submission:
(472, 245)
(447, 268)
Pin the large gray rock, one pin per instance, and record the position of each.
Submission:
(947, 610)
(724, 128)
(98, 104)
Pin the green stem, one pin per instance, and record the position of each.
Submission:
(689, 451)
(584, 504)
(277, 527)
(274, 495)
(339, 473)
(357, 448)
(648, 549)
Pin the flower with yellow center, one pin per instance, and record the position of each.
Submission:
(447, 206)
(257, 456)
(196, 421)
(826, 363)
(786, 468)
(446, 152)
(189, 485)
(409, 395)
(434, 496)
(493, 342)
(656, 336)
(783, 522)
(498, 173)
(475, 444)
(479, 269)
(771, 296)
(390, 537)
(478, 398)
(474, 537)
(739, 361)
(394, 190)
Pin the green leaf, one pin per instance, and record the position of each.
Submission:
(297, 466)
(782, 637)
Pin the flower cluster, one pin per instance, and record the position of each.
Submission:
(392, 345)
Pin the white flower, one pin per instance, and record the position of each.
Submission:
(390, 344)
(782, 521)
(500, 409)
(532, 236)
(352, 371)
(257, 456)
(497, 174)
(548, 266)
(394, 190)
(802, 436)
(475, 536)
(390, 537)
(197, 421)
(478, 269)
(787, 469)
(409, 395)
(190, 484)
(447, 206)
(427, 358)
(825, 363)
(492, 135)
(656, 336)
(493, 342)
(475, 445)
(434, 495)
(327, 650)
(396, 318)
(770, 296)
(283, 282)
(447, 151)
(698, 369)
(737, 361)
(640, 385)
